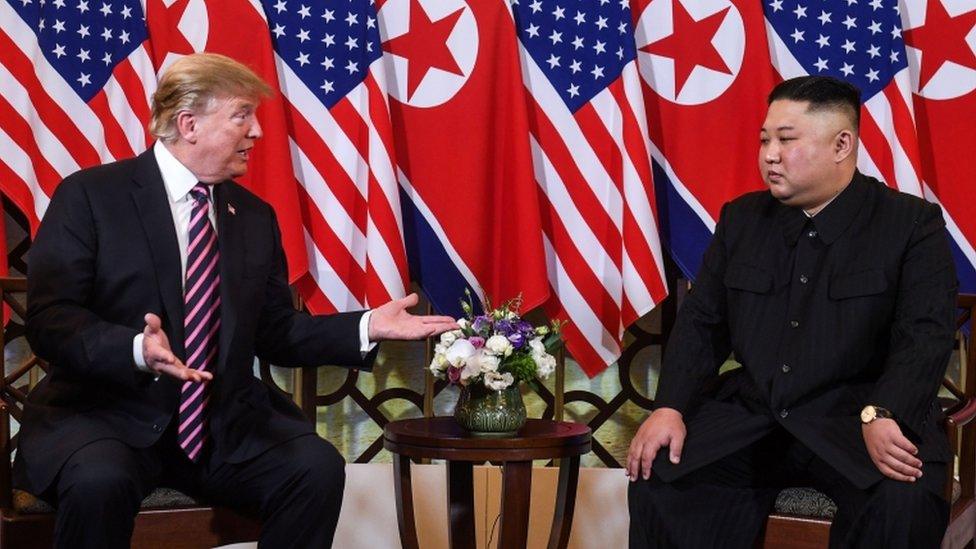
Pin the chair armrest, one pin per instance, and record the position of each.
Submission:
(963, 414)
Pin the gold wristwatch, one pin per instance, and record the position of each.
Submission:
(870, 413)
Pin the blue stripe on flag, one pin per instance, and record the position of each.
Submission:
(430, 264)
(964, 269)
(683, 233)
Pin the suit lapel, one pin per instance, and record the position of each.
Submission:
(231, 241)
(152, 203)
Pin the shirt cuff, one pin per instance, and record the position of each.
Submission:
(365, 345)
(137, 354)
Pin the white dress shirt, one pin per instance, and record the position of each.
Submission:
(178, 181)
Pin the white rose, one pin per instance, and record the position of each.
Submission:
(463, 323)
(458, 352)
(545, 364)
(537, 347)
(448, 338)
(487, 362)
(472, 369)
(496, 381)
(499, 345)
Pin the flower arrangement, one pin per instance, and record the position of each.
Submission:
(497, 348)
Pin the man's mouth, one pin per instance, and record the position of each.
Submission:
(244, 153)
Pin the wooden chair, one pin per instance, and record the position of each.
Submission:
(168, 518)
(802, 517)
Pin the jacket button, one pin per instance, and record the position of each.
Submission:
(157, 428)
(794, 324)
(804, 279)
(783, 413)
(786, 368)
(812, 234)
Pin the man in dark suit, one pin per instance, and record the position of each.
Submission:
(153, 283)
(836, 294)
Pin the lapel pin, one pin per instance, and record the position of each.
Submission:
(230, 208)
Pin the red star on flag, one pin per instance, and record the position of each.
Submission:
(424, 46)
(942, 39)
(690, 44)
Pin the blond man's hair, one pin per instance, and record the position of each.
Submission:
(192, 82)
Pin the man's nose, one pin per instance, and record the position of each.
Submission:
(255, 132)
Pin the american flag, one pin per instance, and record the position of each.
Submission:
(330, 72)
(75, 81)
(589, 143)
(859, 41)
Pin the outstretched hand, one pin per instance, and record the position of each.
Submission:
(159, 356)
(392, 321)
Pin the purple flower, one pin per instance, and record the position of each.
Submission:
(504, 327)
(526, 328)
(481, 324)
(477, 341)
(517, 340)
(453, 374)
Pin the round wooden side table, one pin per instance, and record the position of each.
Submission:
(443, 438)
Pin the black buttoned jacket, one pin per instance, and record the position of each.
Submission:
(853, 306)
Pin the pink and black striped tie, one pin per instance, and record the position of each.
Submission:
(201, 324)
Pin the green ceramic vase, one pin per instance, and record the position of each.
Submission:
(485, 412)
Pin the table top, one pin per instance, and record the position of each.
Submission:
(442, 437)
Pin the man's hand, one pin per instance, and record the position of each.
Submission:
(891, 452)
(392, 321)
(160, 358)
(664, 427)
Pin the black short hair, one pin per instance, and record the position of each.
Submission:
(822, 93)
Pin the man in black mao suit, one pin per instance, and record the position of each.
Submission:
(837, 296)
(151, 323)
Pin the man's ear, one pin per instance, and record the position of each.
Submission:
(845, 144)
(186, 125)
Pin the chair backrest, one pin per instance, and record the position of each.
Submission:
(22, 370)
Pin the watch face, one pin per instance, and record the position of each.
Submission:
(868, 414)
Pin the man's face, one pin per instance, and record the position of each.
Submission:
(798, 153)
(225, 134)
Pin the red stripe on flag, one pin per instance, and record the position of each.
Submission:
(135, 94)
(877, 146)
(379, 114)
(315, 300)
(19, 193)
(576, 342)
(602, 143)
(594, 214)
(331, 246)
(20, 131)
(376, 293)
(904, 127)
(635, 242)
(115, 138)
(327, 165)
(381, 212)
(578, 269)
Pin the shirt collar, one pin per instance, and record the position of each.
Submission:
(832, 220)
(177, 178)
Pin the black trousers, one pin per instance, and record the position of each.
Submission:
(725, 504)
(295, 488)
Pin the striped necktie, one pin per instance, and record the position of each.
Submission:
(201, 323)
